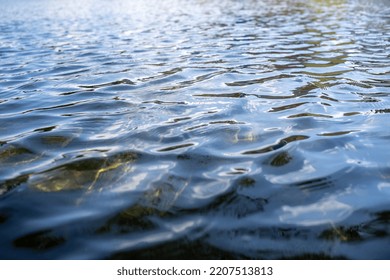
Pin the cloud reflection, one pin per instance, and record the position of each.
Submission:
(321, 212)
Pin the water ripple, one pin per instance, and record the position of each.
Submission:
(194, 129)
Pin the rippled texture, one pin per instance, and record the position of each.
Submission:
(194, 129)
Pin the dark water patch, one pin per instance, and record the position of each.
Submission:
(237, 206)
(276, 242)
(351, 114)
(196, 127)
(132, 219)
(176, 120)
(286, 107)
(45, 129)
(161, 102)
(16, 154)
(119, 82)
(316, 184)
(3, 218)
(373, 230)
(185, 249)
(278, 145)
(10, 184)
(301, 115)
(226, 122)
(83, 173)
(75, 92)
(382, 111)
(246, 181)
(378, 227)
(232, 95)
(41, 240)
(343, 234)
(280, 159)
(175, 147)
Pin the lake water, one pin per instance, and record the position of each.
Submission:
(194, 129)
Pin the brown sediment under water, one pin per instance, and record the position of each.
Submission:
(190, 129)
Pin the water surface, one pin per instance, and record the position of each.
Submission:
(194, 129)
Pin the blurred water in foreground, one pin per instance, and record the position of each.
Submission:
(194, 129)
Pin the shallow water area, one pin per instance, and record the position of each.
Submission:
(192, 129)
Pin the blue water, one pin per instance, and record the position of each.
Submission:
(194, 129)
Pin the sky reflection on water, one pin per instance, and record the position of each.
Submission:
(194, 129)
